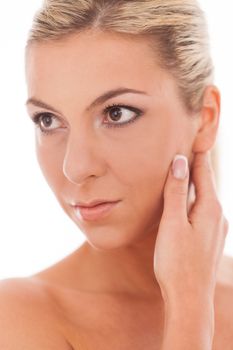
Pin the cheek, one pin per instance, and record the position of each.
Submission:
(142, 170)
(51, 162)
(143, 158)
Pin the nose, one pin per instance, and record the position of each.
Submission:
(82, 159)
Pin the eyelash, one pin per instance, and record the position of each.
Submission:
(36, 118)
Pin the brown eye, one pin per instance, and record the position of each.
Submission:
(115, 113)
(44, 122)
(124, 114)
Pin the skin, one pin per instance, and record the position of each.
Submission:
(83, 159)
(194, 242)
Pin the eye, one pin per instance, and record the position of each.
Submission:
(44, 121)
(114, 111)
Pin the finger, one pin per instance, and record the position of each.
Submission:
(203, 178)
(191, 196)
(176, 190)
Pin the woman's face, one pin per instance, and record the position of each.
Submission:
(89, 154)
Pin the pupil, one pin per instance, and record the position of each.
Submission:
(116, 115)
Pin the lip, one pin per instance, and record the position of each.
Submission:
(92, 203)
(96, 212)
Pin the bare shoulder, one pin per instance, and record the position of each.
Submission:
(28, 316)
(223, 305)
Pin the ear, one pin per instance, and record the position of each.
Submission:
(209, 120)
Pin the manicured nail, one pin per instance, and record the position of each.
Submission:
(180, 167)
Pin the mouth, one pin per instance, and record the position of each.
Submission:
(93, 203)
(95, 212)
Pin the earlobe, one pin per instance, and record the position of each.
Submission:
(209, 116)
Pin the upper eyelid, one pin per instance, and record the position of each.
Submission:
(102, 108)
(41, 112)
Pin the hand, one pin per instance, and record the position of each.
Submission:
(191, 235)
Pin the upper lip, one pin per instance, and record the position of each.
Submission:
(94, 203)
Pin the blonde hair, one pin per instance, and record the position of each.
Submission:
(175, 29)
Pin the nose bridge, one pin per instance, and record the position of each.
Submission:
(81, 160)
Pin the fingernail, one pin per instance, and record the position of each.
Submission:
(180, 167)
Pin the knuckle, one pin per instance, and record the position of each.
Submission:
(176, 191)
(203, 164)
(217, 210)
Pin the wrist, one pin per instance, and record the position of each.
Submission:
(189, 307)
(187, 297)
(189, 324)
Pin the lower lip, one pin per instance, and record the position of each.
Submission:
(98, 212)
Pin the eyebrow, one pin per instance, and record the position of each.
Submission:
(99, 100)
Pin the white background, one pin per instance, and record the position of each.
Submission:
(34, 230)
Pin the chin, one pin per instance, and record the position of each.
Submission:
(109, 238)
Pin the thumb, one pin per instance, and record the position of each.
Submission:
(176, 190)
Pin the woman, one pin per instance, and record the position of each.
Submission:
(118, 90)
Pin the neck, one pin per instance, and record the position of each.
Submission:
(127, 270)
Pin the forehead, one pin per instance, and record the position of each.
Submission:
(88, 60)
(91, 54)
